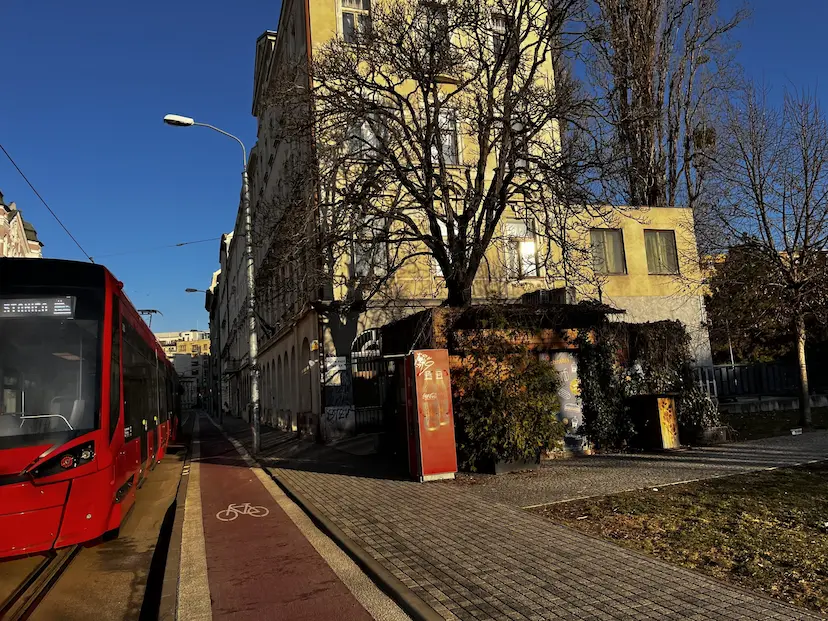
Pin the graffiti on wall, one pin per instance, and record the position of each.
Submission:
(571, 414)
(338, 421)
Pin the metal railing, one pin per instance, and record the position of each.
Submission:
(769, 379)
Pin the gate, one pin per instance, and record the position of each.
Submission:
(370, 380)
(358, 393)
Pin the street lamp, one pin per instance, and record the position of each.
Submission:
(218, 360)
(184, 121)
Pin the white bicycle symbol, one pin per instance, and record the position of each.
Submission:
(233, 511)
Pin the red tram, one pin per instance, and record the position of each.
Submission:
(88, 404)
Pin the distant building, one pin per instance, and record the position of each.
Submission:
(189, 352)
(189, 342)
(18, 238)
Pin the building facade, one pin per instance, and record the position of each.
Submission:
(18, 238)
(644, 261)
(231, 307)
(189, 352)
(187, 342)
(215, 379)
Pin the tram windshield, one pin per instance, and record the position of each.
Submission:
(49, 369)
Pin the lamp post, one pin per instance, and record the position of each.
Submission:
(184, 121)
(218, 358)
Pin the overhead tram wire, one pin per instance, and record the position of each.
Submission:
(45, 204)
(178, 245)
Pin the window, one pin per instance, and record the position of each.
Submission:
(115, 371)
(356, 19)
(154, 402)
(136, 382)
(196, 349)
(446, 139)
(498, 34)
(362, 139)
(444, 235)
(662, 257)
(608, 251)
(162, 393)
(370, 251)
(521, 146)
(438, 29)
(521, 254)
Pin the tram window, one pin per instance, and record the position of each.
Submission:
(162, 394)
(49, 379)
(136, 379)
(169, 396)
(115, 371)
(152, 394)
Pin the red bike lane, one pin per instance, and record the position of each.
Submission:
(260, 566)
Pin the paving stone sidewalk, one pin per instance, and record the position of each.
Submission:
(474, 558)
(600, 475)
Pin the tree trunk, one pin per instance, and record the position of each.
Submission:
(804, 393)
(459, 293)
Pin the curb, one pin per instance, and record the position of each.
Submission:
(392, 586)
(389, 584)
(168, 605)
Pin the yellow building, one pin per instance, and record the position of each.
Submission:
(641, 260)
(193, 348)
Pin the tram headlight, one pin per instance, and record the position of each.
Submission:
(66, 460)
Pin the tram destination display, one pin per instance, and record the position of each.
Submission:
(38, 307)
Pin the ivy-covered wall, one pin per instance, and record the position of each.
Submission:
(618, 360)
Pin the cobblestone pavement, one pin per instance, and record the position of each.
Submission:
(600, 475)
(473, 558)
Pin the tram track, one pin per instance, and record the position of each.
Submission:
(23, 601)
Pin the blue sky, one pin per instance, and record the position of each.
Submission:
(85, 85)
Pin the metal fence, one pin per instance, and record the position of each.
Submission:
(749, 380)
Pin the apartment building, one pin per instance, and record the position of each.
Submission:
(189, 352)
(311, 321)
(190, 342)
(231, 308)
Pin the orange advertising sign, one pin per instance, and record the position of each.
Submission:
(432, 384)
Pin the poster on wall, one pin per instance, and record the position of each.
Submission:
(432, 384)
(571, 414)
(669, 425)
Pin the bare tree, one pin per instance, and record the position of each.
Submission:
(659, 67)
(427, 128)
(772, 178)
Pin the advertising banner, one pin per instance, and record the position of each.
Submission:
(435, 416)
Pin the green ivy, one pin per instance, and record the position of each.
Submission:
(619, 360)
(606, 422)
(696, 411)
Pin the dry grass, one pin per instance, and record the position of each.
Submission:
(766, 531)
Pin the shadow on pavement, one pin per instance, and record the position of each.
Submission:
(288, 450)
